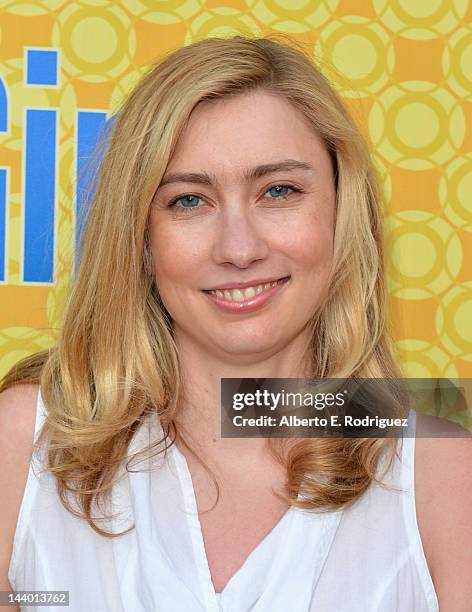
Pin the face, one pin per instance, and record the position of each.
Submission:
(247, 198)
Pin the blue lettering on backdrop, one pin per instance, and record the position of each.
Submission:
(42, 67)
(40, 169)
(91, 126)
(39, 196)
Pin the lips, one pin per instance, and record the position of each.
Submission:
(253, 283)
(245, 291)
(243, 304)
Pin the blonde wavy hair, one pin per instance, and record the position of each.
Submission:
(116, 360)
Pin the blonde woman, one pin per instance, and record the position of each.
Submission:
(232, 165)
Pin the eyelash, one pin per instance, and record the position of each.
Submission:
(188, 209)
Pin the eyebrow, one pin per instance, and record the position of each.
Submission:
(249, 174)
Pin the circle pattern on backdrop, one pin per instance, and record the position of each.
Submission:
(417, 125)
(453, 321)
(292, 15)
(359, 49)
(223, 21)
(425, 255)
(457, 62)
(455, 189)
(97, 43)
(425, 360)
(164, 12)
(36, 8)
(420, 20)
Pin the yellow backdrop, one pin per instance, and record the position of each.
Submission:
(403, 66)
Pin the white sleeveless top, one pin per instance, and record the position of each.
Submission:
(365, 558)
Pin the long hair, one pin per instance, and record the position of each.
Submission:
(116, 360)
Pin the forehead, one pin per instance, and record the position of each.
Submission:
(231, 134)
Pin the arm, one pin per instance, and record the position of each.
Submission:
(17, 420)
(443, 474)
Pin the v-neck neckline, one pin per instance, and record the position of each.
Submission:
(303, 542)
(193, 520)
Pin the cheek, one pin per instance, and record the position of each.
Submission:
(311, 246)
(173, 260)
(313, 253)
(166, 266)
(318, 252)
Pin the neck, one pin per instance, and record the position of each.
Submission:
(199, 415)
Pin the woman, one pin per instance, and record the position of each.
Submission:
(233, 164)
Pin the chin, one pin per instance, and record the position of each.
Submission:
(248, 349)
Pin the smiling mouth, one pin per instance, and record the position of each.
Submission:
(240, 295)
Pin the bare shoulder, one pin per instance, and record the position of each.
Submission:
(443, 488)
(17, 421)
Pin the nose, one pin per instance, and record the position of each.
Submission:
(240, 239)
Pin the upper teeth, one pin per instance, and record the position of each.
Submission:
(238, 295)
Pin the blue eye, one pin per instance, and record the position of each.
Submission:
(190, 197)
(281, 190)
